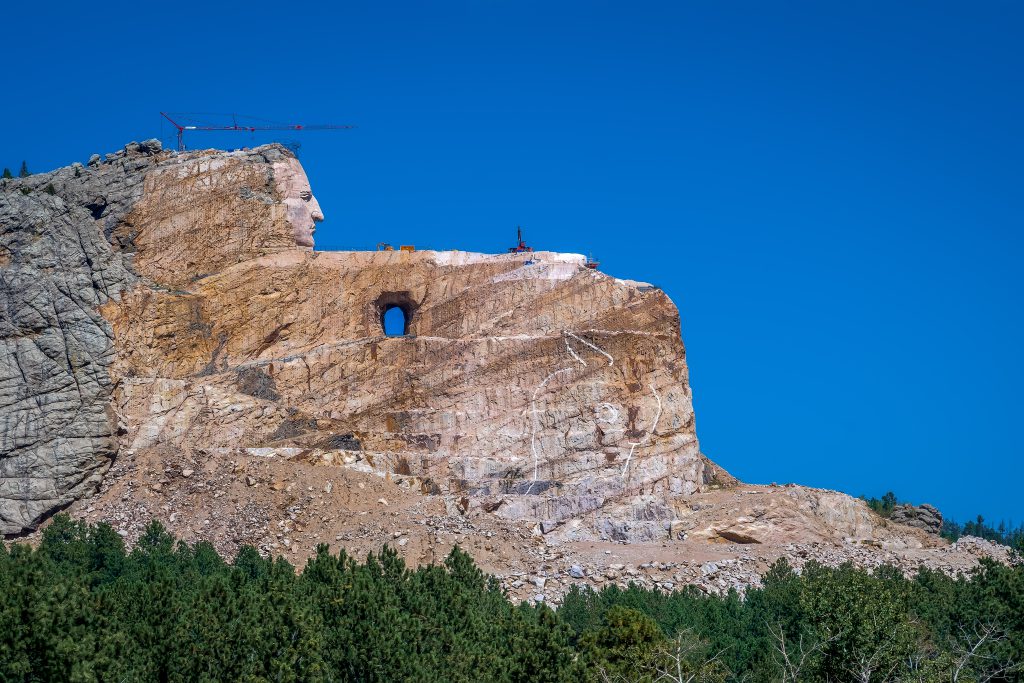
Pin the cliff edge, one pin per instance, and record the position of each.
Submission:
(166, 302)
(172, 347)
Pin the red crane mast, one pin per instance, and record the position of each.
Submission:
(235, 126)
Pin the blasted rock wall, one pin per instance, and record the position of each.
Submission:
(528, 386)
(67, 245)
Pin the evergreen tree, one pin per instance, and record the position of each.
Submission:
(624, 646)
(7, 173)
(24, 173)
(79, 608)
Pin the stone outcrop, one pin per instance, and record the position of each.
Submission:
(924, 517)
(171, 347)
(57, 266)
(160, 303)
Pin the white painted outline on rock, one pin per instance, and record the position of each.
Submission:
(607, 355)
(571, 352)
(533, 399)
(533, 425)
(634, 444)
(602, 406)
(599, 415)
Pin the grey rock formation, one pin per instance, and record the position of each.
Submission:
(68, 246)
(923, 517)
(57, 265)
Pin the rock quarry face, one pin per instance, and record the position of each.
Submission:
(159, 303)
(171, 347)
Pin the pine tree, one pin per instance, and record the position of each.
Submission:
(888, 503)
(624, 646)
(7, 173)
(24, 172)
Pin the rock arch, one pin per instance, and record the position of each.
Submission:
(400, 300)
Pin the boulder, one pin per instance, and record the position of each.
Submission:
(924, 517)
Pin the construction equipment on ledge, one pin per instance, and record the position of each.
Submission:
(591, 263)
(521, 247)
(384, 246)
(183, 122)
(407, 247)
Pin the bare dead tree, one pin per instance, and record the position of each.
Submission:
(793, 658)
(685, 659)
(636, 677)
(919, 662)
(867, 666)
(972, 653)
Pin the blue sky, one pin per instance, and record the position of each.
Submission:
(830, 192)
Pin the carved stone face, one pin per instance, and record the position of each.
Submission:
(303, 211)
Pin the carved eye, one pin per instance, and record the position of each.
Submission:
(306, 195)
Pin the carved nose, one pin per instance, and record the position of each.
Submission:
(315, 211)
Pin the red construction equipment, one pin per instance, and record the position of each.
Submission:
(262, 125)
(591, 263)
(521, 247)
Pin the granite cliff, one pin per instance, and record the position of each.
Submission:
(169, 302)
(172, 346)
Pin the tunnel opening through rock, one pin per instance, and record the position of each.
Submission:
(394, 311)
(395, 324)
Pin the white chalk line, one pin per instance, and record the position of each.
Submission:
(533, 425)
(571, 352)
(607, 355)
(636, 333)
(610, 408)
(647, 436)
(533, 399)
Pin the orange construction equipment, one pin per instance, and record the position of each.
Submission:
(384, 246)
(407, 247)
(521, 247)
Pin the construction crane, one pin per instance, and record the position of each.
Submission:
(235, 125)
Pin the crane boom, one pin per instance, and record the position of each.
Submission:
(181, 127)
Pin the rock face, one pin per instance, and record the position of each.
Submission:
(171, 347)
(56, 267)
(923, 517)
(158, 303)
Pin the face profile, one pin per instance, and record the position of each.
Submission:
(302, 210)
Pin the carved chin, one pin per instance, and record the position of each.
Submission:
(303, 237)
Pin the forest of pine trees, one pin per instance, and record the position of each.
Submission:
(81, 608)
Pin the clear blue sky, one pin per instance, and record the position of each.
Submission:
(831, 192)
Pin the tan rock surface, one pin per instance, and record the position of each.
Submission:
(537, 413)
(571, 400)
